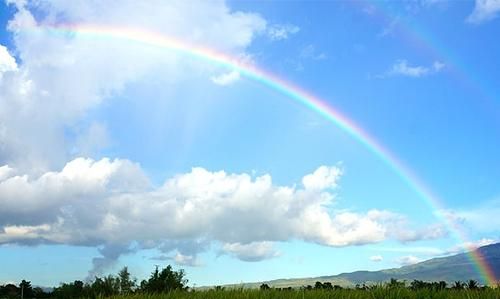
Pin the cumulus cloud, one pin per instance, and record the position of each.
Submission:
(112, 203)
(484, 10)
(7, 62)
(376, 258)
(402, 68)
(323, 178)
(408, 260)
(281, 32)
(60, 77)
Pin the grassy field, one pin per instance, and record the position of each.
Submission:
(379, 293)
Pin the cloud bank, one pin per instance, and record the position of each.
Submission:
(113, 203)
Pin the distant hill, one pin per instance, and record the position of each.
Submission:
(449, 269)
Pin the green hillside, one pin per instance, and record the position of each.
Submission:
(449, 269)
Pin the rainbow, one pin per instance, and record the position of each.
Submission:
(293, 92)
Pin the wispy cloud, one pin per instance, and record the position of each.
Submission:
(481, 218)
(484, 10)
(226, 78)
(389, 28)
(376, 258)
(403, 68)
(311, 52)
(281, 31)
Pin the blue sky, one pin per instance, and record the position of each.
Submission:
(118, 154)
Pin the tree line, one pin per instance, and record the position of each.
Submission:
(168, 279)
(160, 281)
(392, 284)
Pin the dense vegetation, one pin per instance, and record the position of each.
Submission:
(168, 283)
(164, 281)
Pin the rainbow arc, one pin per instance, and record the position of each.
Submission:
(294, 92)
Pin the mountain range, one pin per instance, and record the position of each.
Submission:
(459, 267)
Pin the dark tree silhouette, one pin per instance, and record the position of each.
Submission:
(127, 284)
(458, 285)
(164, 281)
(26, 289)
(264, 287)
(472, 285)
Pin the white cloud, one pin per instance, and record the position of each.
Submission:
(7, 62)
(281, 32)
(110, 202)
(408, 260)
(323, 178)
(60, 77)
(430, 232)
(484, 10)
(251, 252)
(399, 227)
(401, 67)
(226, 78)
(376, 258)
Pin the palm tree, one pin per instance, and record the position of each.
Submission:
(472, 284)
(458, 285)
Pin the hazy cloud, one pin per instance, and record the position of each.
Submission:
(311, 52)
(251, 252)
(480, 218)
(281, 32)
(403, 68)
(408, 260)
(226, 78)
(484, 10)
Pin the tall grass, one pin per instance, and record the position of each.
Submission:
(376, 293)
